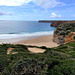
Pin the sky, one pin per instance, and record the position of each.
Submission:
(34, 10)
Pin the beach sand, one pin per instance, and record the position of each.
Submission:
(40, 41)
(46, 40)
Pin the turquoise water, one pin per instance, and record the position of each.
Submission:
(13, 29)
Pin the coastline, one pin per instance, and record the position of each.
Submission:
(44, 40)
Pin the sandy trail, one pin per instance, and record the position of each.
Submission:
(36, 50)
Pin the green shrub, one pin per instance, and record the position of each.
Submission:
(65, 29)
(53, 61)
(74, 37)
(26, 67)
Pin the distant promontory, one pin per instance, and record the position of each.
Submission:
(56, 23)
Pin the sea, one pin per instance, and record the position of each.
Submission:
(15, 29)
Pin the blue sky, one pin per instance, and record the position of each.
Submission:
(34, 10)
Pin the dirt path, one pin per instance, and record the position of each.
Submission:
(9, 50)
(36, 50)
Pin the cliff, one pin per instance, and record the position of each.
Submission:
(56, 23)
(64, 33)
(45, 21)
(70, 37)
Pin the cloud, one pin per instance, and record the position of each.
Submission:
(5, 13)
(54, 15)
(13, 2)
(35, 10)
(41, 3)
(47, 3)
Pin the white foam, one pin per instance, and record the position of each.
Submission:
(9, 36)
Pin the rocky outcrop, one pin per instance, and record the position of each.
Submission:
(70, 37)
(45, 21)
(57, 23)
(58, 39)
(63, 40)
(64, 33)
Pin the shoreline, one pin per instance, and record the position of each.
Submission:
(20, 39)
(44, 40)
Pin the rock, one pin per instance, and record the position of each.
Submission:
(58, 39)
(63, 40)
(64, 33)
(57, 23)
(70, 37)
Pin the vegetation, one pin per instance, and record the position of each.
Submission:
(54, 61)
(65, 29)
(74, 37)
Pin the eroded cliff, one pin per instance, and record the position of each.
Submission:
(64, 33)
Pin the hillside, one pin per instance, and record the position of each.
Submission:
(64, 32)
(58, 23)
(54, 61)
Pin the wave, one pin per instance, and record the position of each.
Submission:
(9, 36)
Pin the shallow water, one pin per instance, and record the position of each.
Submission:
(13, 29)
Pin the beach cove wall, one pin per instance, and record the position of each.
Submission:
(59, 34)
(64, 33)
(63, 40)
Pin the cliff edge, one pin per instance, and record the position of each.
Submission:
(56, 23)
(64, 33)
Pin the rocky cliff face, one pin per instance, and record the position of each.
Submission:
(64, 33)
(58, 39)
(57, 23)
(63, 30)
(63, 40)
(70, 37)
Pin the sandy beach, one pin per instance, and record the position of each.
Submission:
(46, 40)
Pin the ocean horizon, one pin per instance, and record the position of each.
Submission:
(16, 29)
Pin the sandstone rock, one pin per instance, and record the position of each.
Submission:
(70, 37)
(62, 40)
